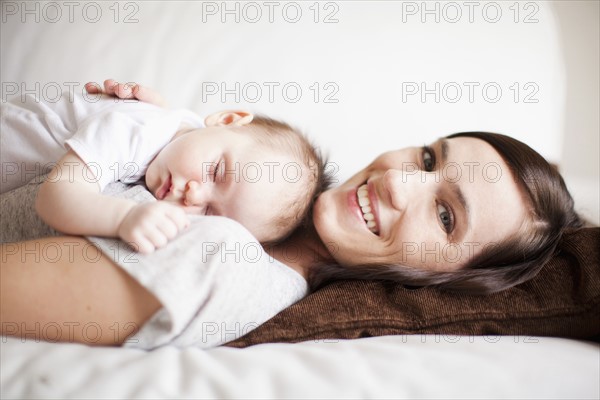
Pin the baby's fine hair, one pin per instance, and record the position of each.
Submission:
(281, 137)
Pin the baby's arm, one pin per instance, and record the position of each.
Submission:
(72, 204)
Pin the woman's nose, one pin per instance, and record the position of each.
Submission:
(407, 186)
(196, 194)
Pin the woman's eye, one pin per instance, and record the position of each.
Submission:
(428, 159)
(446, 218)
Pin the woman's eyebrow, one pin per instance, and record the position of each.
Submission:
(444, 143)
(456, 190)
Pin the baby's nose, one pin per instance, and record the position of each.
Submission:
(195, 194)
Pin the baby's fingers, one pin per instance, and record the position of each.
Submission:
(164, 230)
(142, 245)
(168, 228)
(157, 237)
(178, 217)
(147, 239)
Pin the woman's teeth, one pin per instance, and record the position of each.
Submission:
(365, 205)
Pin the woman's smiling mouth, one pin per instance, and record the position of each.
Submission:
(367, 208)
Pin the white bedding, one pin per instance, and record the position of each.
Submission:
(364, 62)
(370, 58)
(396, 367)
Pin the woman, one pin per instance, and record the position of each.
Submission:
(477, 212)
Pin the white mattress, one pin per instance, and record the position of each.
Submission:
(362, 62)
(398, 367)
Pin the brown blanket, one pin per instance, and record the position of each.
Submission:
(563, 300)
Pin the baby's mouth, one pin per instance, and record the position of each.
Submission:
(367, 211)
(164, 189)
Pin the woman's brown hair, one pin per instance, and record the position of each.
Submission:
(507, 263)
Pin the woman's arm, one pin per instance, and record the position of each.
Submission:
(64, 289)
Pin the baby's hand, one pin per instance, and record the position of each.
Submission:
(149, 226)
(128, 90)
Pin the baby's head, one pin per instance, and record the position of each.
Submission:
(255, 170)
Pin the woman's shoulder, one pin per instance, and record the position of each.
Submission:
(221, 227)
(213, 280)
(231, 239)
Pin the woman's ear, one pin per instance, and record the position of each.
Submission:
(232, 118)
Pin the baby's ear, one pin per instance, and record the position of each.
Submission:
(232, 118)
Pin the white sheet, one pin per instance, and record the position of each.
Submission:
(366, 61)
(396, 367)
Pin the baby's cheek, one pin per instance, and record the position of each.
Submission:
(150, 179)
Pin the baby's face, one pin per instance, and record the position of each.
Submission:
(224, 171)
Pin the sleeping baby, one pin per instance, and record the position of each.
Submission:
(255, 170)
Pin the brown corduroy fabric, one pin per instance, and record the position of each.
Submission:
(562, 300)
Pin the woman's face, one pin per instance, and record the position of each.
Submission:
(432, 207)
